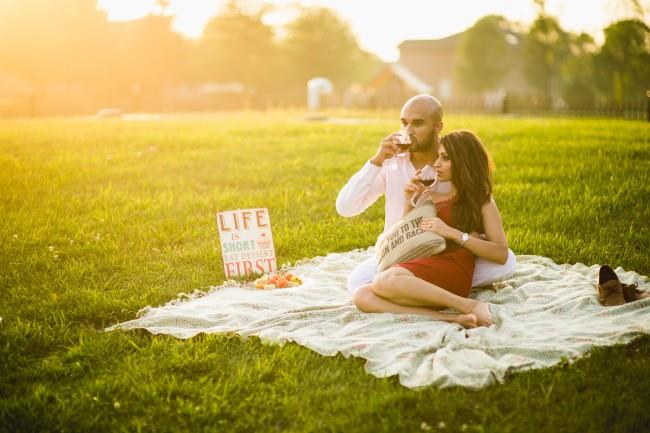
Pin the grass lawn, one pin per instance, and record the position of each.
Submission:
(101, 218)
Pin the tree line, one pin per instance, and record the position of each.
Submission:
(558, 64)
(71, 46)
(70, 53)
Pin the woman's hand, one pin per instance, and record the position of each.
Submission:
(437, 225)
(414, 188)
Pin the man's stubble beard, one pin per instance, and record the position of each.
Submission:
(422, 147)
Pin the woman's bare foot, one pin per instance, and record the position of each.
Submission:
(467, 320)
(482, 312)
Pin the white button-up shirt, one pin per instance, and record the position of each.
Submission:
(371, 182)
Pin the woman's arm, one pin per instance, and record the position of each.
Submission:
(412, 191)
(494, 247)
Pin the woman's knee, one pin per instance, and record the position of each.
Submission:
(362, 298)
(386, 282)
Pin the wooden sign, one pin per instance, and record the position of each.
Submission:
(246, 242)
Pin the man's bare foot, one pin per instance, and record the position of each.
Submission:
(482, 312)
(467, 320)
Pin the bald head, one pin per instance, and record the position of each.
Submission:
(425, 104)
(421, 118)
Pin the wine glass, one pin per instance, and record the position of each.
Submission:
(403, 141)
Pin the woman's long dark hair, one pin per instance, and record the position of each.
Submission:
(471, 174)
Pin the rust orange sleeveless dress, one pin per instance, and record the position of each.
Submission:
(452, 269)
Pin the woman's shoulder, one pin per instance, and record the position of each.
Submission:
(489, 208)
(490, 203)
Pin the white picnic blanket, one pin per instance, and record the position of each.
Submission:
(544, 313)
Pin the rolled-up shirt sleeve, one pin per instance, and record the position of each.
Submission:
(362, 190)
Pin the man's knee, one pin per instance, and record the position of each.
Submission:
(362, 275)
(488, 272)
(511, 263)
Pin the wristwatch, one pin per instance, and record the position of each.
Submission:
(463, 238)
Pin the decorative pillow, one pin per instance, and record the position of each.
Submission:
(405, 240)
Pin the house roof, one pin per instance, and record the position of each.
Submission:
(410, 78)
(403, 74)
(449, 41)
(429, 65)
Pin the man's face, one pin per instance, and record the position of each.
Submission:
(417, 120)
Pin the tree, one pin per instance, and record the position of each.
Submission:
(319, 43)
(77, 60)
(638, 9)
(146, 53)
(623, 63)
(546, 47)
(44, 41)
(238, 46)
(578, 88)
(485, 55)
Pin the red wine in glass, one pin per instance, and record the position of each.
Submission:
(427, 182)
(403, 142)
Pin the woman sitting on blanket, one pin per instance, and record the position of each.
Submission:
(425, 286)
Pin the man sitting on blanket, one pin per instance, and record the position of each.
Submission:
(390, 170)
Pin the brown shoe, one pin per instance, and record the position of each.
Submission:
(610, 291)
(631, 294)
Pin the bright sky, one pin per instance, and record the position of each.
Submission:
(381, 25)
